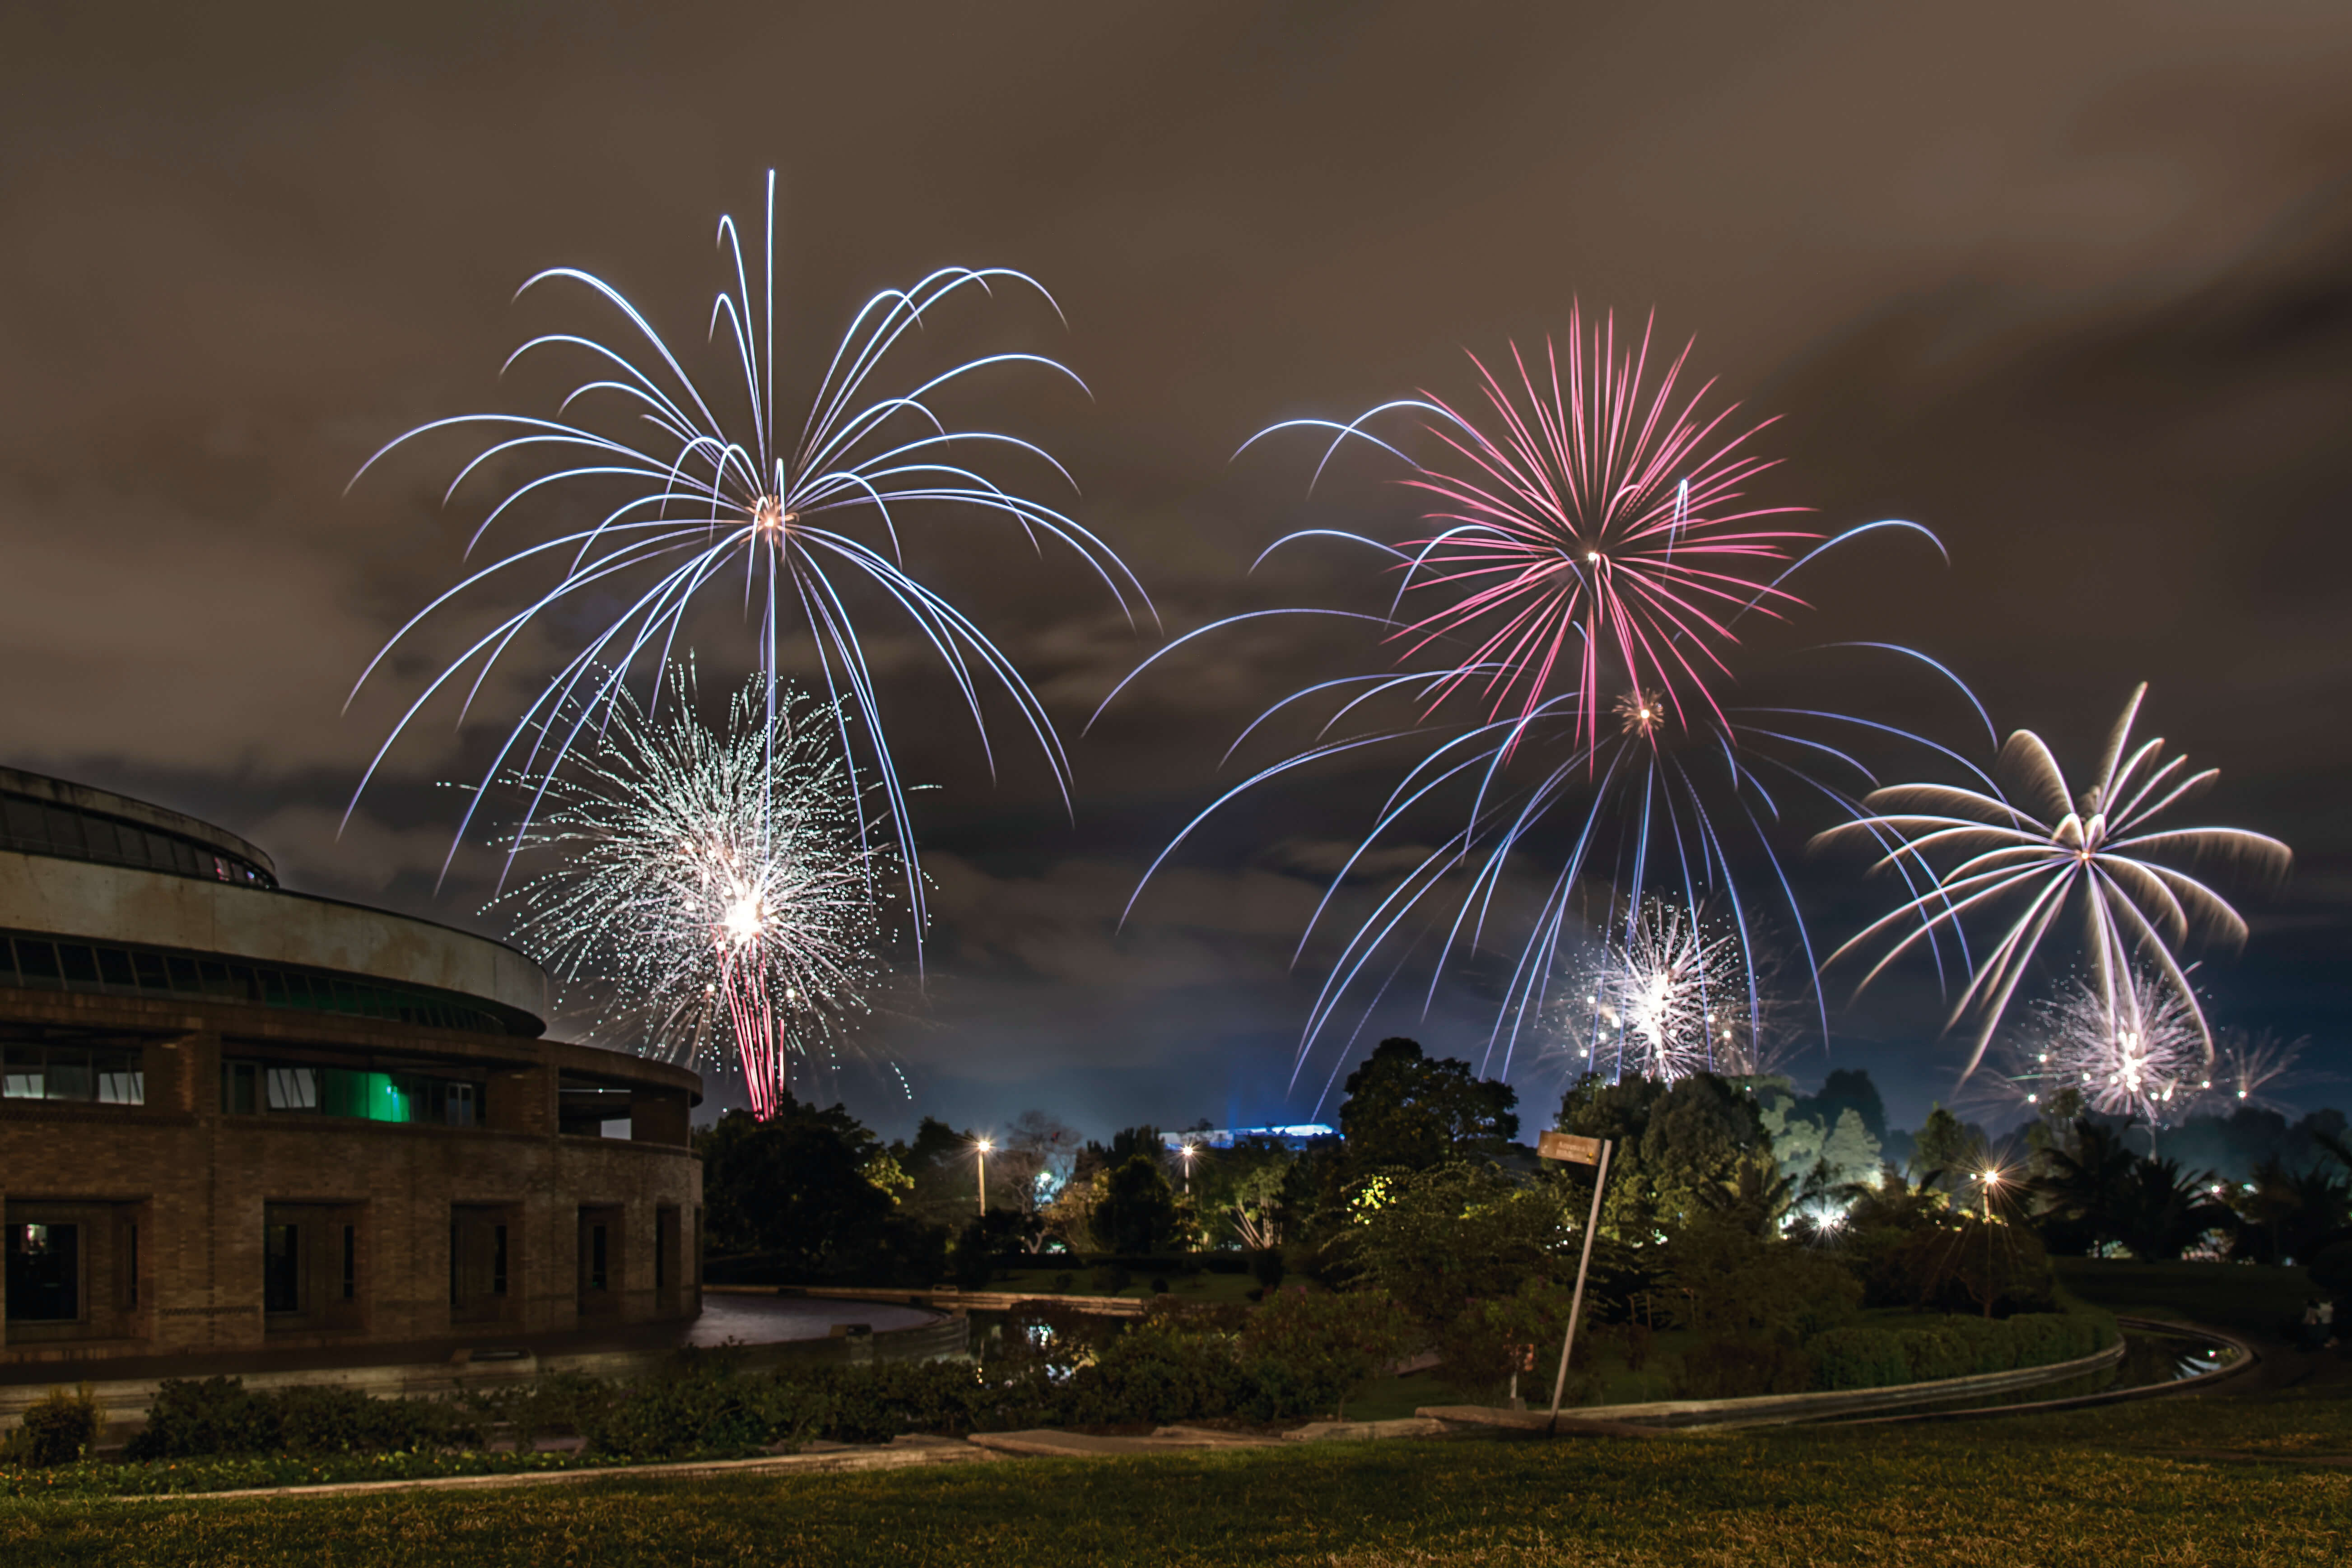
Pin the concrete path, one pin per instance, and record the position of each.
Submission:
(1045, 1442)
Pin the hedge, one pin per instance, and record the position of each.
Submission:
(1879, 1357)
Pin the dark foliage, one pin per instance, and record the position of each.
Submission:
(1408, 1111)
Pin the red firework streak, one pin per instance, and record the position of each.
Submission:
(1603, 522)
(742, 988)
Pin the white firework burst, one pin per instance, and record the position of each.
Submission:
(2040, 848)
(1664, 1002)
(721, 877)
(2142, 1055)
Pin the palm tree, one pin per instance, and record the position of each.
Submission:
(2163, 1209)
(2086, 1188)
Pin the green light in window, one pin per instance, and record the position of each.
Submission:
(387, 1100)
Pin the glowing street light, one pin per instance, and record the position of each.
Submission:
(982, 1146)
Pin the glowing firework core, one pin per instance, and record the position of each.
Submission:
(710, 875)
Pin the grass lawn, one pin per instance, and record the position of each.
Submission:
(2187, 1483)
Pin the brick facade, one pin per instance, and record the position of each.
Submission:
(185, 1216)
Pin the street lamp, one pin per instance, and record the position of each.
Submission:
(982, 1146)
(1187, 1152)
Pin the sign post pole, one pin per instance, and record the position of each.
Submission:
(1592, 1223)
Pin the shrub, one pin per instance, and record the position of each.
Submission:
(1109, 1279)
(554, 1402)
(1308, 1351)
(705, 1409)
(1955, 1347)
(1742, 1368)
(191, 1418)
(59, 1428)
(1266, 1267)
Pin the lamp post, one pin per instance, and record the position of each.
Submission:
(982, 1146)
(1187, 1155)
(1988, 1179)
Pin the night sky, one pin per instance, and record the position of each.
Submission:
(2070, 285)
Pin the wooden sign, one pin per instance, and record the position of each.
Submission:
(1567, 1146)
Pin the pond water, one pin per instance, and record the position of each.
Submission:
(768, 1319)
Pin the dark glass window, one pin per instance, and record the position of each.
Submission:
(44, 1273)
(114, 967)
(237, 1087)
(36, 962)
(78, 963)
(598, 1274)
(498, 1260)
(350, 1262)
(281, 1268)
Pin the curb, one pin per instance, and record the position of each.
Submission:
(2162, 1327)
(928, 1451)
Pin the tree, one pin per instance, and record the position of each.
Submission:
(1850, 1088)
(800, 1188)
(2164, 1208)
(1681, 1147)
(1409, 1111)
(2083, 1188)
(1137, 1213)
(1948, 1152)
(1435, 1241)
(1035, 1160)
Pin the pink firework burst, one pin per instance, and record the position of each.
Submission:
(1599, 530)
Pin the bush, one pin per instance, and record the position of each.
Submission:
(1308, 1351)
(708, 1408)
(1266, 1267)
(1955, 1347)
(1743, 1368)
(192, 1417)
(59, 1428)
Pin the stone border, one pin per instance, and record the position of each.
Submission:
(903, 1455)
(1773, 1409)
(2163, 1328)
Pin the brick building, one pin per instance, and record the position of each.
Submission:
(236, 1118)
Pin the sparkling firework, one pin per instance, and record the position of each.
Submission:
(720, 876)
(2245, 1067)
(1600, 529)
(793, 526)
(1667, 1001)
(2139, 1050)
(2040, 847)
(1548, 649)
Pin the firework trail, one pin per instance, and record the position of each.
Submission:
(796, 529)
(2039, 848)
(2139, 1050)
(711, 877)
(1552, 651)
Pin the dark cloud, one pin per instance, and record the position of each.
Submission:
(2071, 286)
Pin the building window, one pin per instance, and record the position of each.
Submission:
(44, 1273)
(600, 1277)
(87, 1074)
(352, 1093)
(281, 1268)
(350, 1262)
(498, 1260)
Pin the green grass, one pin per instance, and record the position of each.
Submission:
(2229, 1478)
(2125, 1485)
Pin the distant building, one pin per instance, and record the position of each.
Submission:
(236, 1118)
(1297, 1136)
